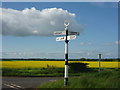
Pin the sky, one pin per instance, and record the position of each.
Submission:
(26, 32)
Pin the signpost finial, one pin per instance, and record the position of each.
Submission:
(66, 23)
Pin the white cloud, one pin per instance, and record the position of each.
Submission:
(82, 43)
(99, 4)
(85, 43)
(31, 55)
(35, 22)
(60, 55)
(112, 43)
(117, 42)
(104, 4)
(89, 43)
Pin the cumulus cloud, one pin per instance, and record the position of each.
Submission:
(35, 22)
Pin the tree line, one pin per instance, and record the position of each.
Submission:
(39, 59)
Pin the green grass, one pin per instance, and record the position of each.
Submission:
(104, 79)
(35, 72)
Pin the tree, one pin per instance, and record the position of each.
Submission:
(78, 67)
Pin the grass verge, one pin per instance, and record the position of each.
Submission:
(104, 79)
(34, 72)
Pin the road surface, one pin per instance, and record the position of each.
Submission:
(25, 83)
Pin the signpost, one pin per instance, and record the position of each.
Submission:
(60, 33)
(73, 33)
(71, 37)
(64, 33)
(66, 38)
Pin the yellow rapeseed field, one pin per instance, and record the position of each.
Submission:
(45, 64)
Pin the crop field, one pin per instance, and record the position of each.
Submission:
(56, 64)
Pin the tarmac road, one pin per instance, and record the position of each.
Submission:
(23, 83)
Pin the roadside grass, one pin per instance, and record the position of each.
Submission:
(28, 72)
(32, 72)
(103, 79)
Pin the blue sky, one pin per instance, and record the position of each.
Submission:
(100, 35)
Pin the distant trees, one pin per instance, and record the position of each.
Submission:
(40, 59)
(82, 59)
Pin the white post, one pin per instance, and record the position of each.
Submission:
(66, 23)
(66, 56)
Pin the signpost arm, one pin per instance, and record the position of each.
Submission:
(66, 59)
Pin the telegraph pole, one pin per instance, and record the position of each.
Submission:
(99, 56)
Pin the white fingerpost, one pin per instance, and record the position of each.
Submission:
(66, 23)
(66, 38)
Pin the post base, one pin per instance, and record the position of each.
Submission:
(65, 81)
